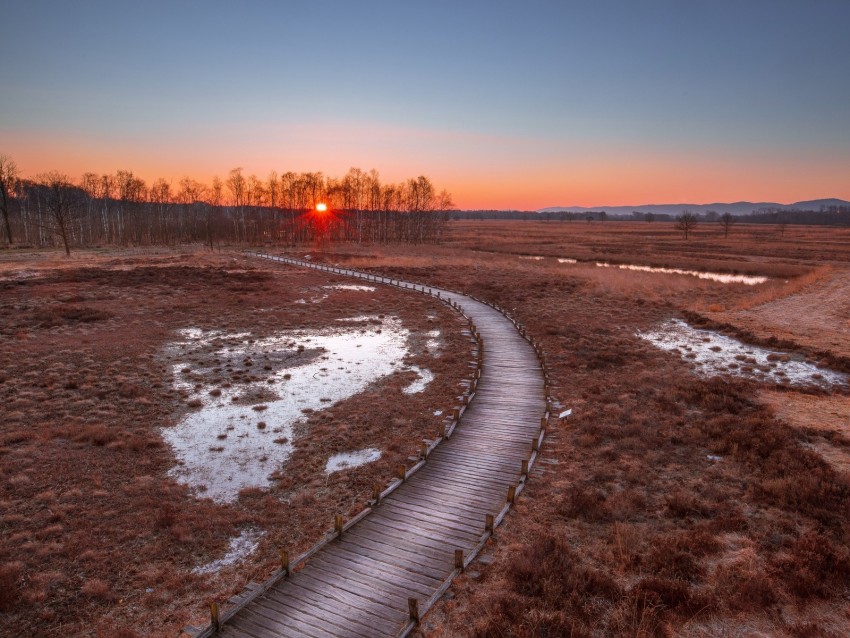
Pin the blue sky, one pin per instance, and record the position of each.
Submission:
(506, 104)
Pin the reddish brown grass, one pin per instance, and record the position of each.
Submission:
(95, 537)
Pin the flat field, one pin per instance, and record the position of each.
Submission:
(672, 501)
(675, 500)
(108, 530)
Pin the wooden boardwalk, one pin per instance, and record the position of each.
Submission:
(378, 575)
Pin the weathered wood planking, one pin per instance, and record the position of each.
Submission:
(362, 583)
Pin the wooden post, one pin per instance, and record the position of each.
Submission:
(376, 493)
(423, 450)
(465, 398)
(338, 524)
(534, 444)
(543, 423)
(284, 561)
(401, 472)
(442, 430)
(413, 609)
(511, 494)
(214, 621)
(488, 523)
(456, 413)
(524, 468)
(459, 559)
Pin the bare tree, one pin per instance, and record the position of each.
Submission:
(686, 222)
(63, 201)
(727, 220)
(8, 182)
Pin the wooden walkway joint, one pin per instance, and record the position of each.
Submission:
(380, 572)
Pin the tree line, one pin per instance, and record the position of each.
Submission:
(121, 209)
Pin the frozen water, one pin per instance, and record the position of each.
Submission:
(418, 385)
(354, 287)
(567, 260)
(713, 354)
(241, 547)
(348, 460)
(432, 345)
(532, 257)
(749, 280)
(238, 437)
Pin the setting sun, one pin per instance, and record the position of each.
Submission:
(322, 207)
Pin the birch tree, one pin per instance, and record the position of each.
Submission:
(8, 182)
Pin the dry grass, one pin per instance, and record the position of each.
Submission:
(668, 504)
(95, 538)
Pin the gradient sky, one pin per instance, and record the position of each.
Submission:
(505, 104)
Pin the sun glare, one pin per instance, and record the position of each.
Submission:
(321, 207)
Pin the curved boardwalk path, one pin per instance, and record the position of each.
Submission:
(361, 583)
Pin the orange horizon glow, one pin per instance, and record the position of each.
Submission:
(474, 173)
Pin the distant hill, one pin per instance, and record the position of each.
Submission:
(736, 208)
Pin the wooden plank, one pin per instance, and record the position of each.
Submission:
(370, 575)
(358, 585)
(280, 623)
(427, 515)
(404, 536)
(406, 521)
(430, 565)
(382, 556)
(309, 587)
(332, 617)
(306, 616)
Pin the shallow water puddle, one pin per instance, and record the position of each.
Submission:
(433, 344)
(241, 547)
(354, 287)
(242, 433)
(347, 460)
(749, 280)
(425, 377)
(713, 354)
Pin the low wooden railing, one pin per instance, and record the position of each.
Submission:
(288, 565)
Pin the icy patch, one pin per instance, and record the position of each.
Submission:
(347, 460)
(240, 434)
(715, 354)
(425, 377)
(567, 260)
(749, 280)
(432, 345)
(241, 547)
(438, 413)
(532, 257)
(354, 287)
